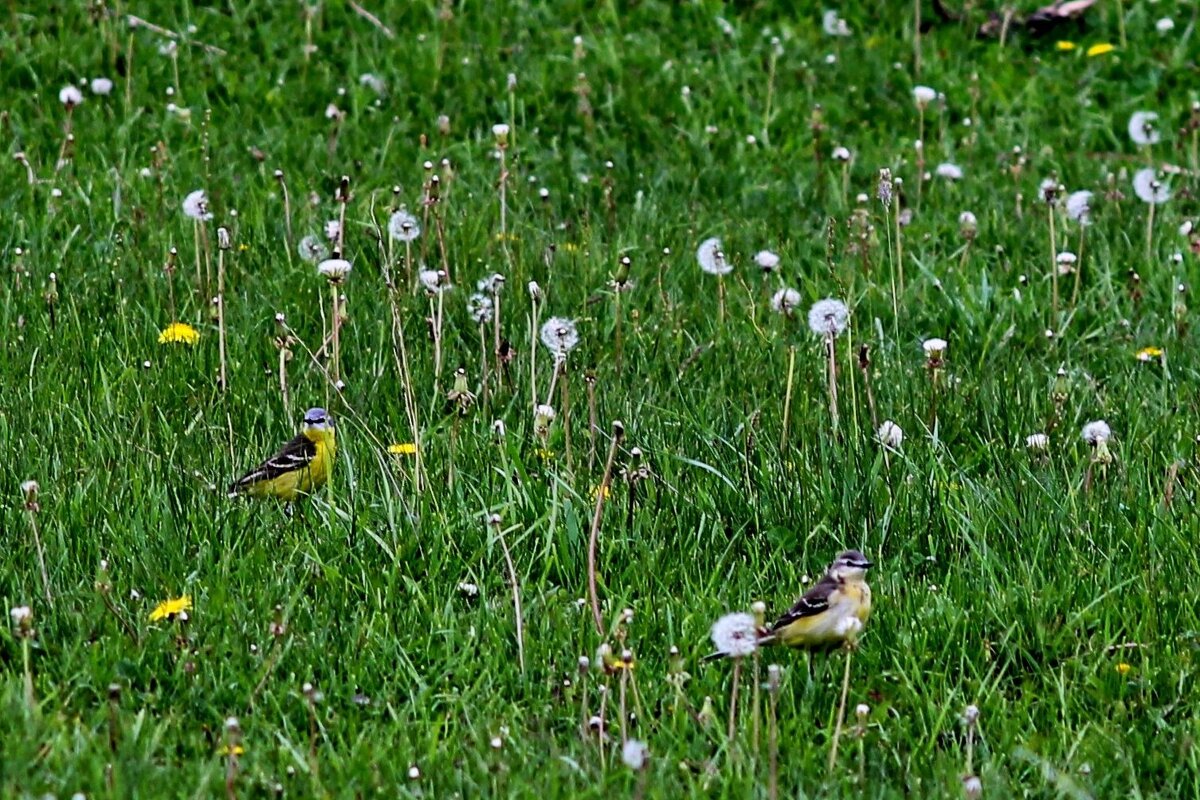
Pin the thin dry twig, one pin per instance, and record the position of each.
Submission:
(137, 22)
(371, 18)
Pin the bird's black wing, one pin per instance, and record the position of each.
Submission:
(814, 601)
(296, 454)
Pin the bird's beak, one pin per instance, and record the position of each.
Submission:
(867, 564)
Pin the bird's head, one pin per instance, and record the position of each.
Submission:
(850, 565)
(316, 420)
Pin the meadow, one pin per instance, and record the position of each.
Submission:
(434, 218)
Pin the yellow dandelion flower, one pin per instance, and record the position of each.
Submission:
(570, 247)
(594, 492)
(243, 247)
(1149, 354)
(1123, 668)
(544, 454)
(171, 608)
(1100, 49)
(179, 333)
(1064, 45)
(506, 237)
(226, 750)
(403, 449)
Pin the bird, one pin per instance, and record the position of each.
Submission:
(822, 618)
(829, 614)
(301, 466)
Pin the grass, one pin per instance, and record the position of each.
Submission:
(1064, 608)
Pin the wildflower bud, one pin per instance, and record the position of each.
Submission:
(278, 627)
(103, 584)
(535, 291)
(443, 125)
(585, 664)
(344, 189)
(232, 726)
(414, 773)
(884, 189)
(627, 657)
(22, 618)
(759, 609)
(498, 429)
(618, 429)
(626, 616)
(512, 81)
(862, 711)
(223, 241)
(30, 490)
(497, 743)
(494, 520)
(774, 678)
(971, 714)
(114, 693)
(501, 131)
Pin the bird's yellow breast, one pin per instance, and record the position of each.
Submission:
(302, 481)
(827, 628)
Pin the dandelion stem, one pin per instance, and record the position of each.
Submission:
(37, 541)
(533, 325)
(787, 396)
(221, 316)
(30, 699)
(1149, 234)
(337, 347)
(831, 351)
(766, 123)
(773, 747)
(516, 593)
(917, 38)
(1079, 265)
(733, 698)
(1053, 268)
(621, 690)
(841, 714)
(618, 432)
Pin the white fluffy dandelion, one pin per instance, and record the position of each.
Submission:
(1037, 441)
(766, 260)
(1149, 188)
(434, 281)
(735, 635)
(1143, 128)
(951, 172)
(890, 435)
(834, 25)
(785, 301)
(924, 95)
(635, 754)
(403, 226)
(373, 82)
(195, 205)
(479, 308)
(934, 347)
(333, 229)
(313, 249)
(1096, 432)
(1079, 206)
(560, 336)
(335, 269)
(70, 96)
(828, 317)
(101, 86)
(712, 258)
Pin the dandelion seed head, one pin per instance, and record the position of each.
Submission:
(924, 95)
(1164, 25)
(766, 260)
(890, 435)
(862, 711)
(841, 154)
(479, 308)
(972, 787)
(785, 301)
(70, 96)
(1143, 128)
(195, 206)
(334, 269)
(828, 317)
(559, 335)
(1037, 441)
(951, 172)
(1096, 432)
(833, 24)
(403, 226)
(101, 86)
(1148, 187)
(712, 258)
(1079, 207)
(934, 347)
(313, 249)
(735, 635)
(635, 754)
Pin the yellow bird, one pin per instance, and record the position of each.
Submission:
(301, 466)
(829, 613)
